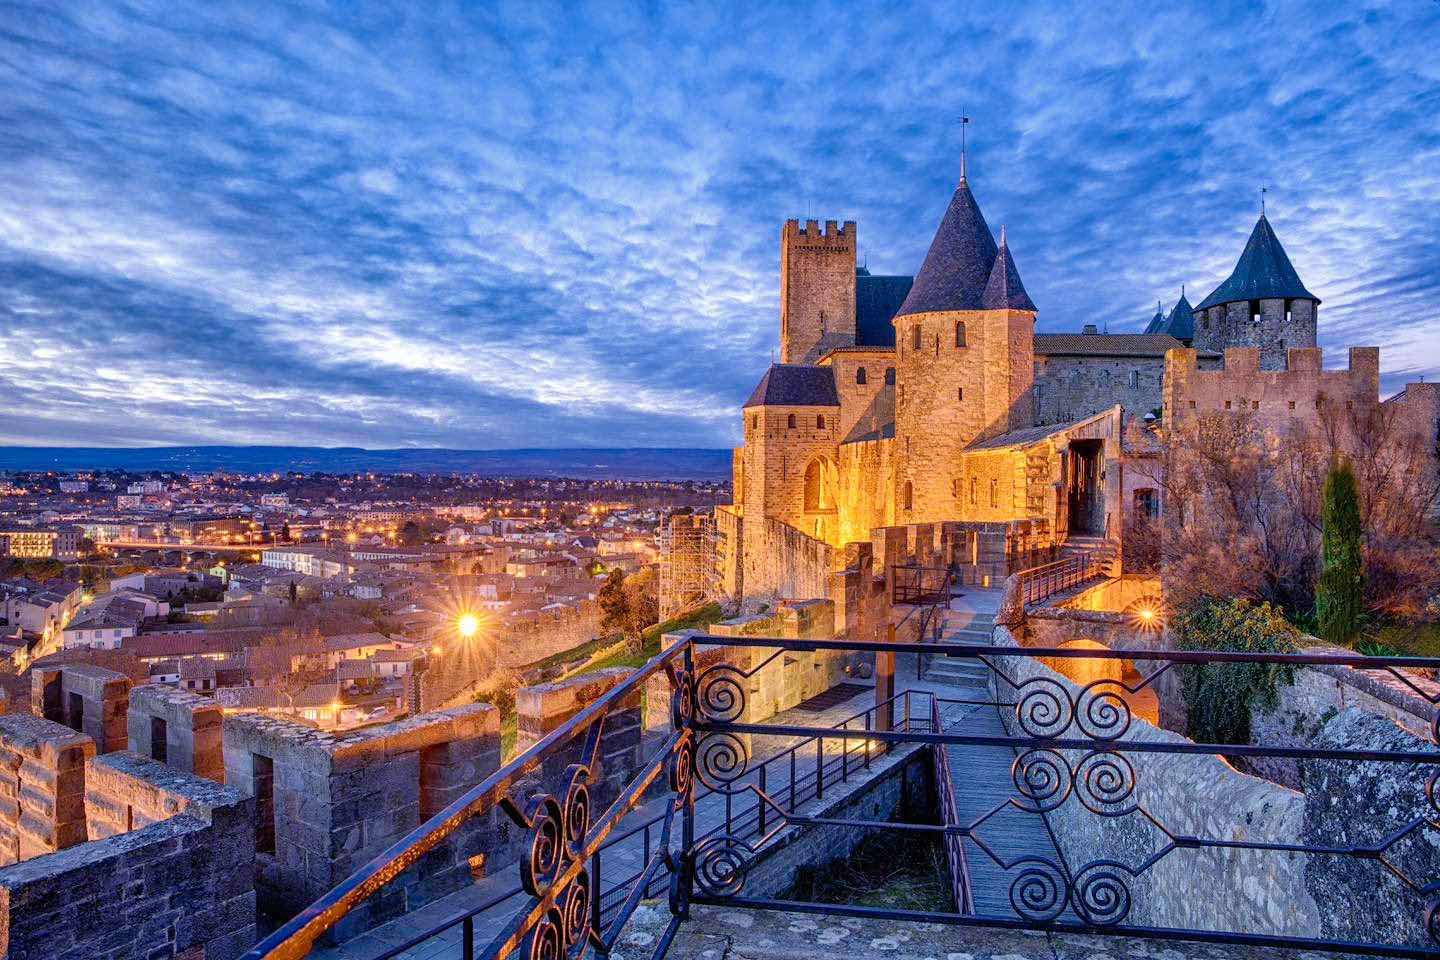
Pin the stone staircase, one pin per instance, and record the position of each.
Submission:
(963, 626)
(1100, 550)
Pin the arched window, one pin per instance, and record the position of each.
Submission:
(959, 333)
(994, 493)
(860, 376)
(754, 423)
(915, 337)
(960, 393)
(973, 499)
(909, 495)
(790, 421)
(889, 376)
(820, 421)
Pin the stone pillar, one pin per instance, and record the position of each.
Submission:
(87, 698)
(541, 709)
(42, 786)
(178, 728)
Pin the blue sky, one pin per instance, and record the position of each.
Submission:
(495, 225)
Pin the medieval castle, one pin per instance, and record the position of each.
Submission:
(931, 399)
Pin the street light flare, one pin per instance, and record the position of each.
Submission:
(468, 624)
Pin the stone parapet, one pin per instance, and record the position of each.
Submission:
(178, 728)
(42, 786)
(544, 708)
(85, 697)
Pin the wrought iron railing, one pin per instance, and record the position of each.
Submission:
(1072, 749)
(1040, 583)
(915, 583)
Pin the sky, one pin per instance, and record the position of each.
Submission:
(479, 225)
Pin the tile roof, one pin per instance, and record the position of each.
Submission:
(957, 266)
(877, 299)
(795, 385)
(1004, 291)
(1263, 272)
(1106, 344)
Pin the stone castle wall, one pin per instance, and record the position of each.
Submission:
(817, 286)
(785, 562)
(1280, 399)
(1069, 388)
(867, 477)
(42, 786)
(856, 397)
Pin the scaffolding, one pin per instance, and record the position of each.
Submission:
(688, 576)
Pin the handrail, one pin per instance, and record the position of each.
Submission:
(954, 843)
(1048, 579)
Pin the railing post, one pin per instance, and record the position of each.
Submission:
(885, 680)
(867, 742)
(596, 907)
(819, 767)
(845, 754)
(467, 932)
(793, 751)
(760, 804)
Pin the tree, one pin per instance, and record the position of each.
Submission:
(642, 601)
(614, 605)
(1340, 592)
(1219, 697)
(411, 535)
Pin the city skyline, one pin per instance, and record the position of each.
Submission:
(515, 228)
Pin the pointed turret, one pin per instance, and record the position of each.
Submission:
(1157, 322)
(957, 266)
(1181, 322)
(1004, 291)
(1263, 272)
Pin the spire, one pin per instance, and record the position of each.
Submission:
(1181, 322)
(1003, 290)
(957, 266)
(1263, 272)
(964, 122)
(1157, 322)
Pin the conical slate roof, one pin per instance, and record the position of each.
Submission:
(1181, 322)
(957, 267)
(1263, 273)
(1157, 322)
(795, 385)
(1004, 291)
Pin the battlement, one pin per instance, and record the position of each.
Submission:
(839, 235)
(1290, 394)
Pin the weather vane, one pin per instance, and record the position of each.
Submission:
(964, 122)
(1263, 190)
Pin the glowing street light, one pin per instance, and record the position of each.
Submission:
(468, 625)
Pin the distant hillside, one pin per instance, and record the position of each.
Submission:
(639, 463)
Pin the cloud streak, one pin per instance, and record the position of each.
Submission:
(520, 224)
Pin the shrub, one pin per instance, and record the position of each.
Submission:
(1219, 697)
(1340, 590)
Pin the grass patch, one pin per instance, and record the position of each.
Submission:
(1397, 639)
(892, 869)
(588, 648)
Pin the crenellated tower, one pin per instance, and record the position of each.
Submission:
(1262, 304)
(817, 288)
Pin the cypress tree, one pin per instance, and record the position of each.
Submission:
(1340, 593)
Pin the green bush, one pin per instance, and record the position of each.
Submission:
(1340, 591)
(1219, 697)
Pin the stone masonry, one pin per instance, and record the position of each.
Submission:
(543, 708)
(180, 884)
(328, 803)
(178, 728)
(84, 697)
(42, 786)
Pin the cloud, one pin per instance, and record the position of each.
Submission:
(533, 225)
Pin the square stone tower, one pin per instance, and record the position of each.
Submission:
(817, 288)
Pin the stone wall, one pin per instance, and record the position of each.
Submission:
(865, 497)
(84, 697)
(178, 728)
(1070, 387)
(181, 886)
(543, 708)
(1281, 399)
(42, 786)
(1114, 594)
(1360, 805)
(857, 398)
(783, 561)
(1227, 325)
(1251, 891)
(327, 803)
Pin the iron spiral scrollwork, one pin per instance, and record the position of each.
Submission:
(682, 698)
(721, 693)
(557, 840)
(1043, 780)
(1101, 712)
(1038, 890)
(721, 759)
(1105, 783)
(1100, 895)
(1043, 707)
(721, 864)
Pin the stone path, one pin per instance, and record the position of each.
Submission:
(715, 933)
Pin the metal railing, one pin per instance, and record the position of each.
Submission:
(1078, 750)
(1040, 583)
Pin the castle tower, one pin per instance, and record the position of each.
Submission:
(964, 342)
(817, 289)
(1262, 304)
